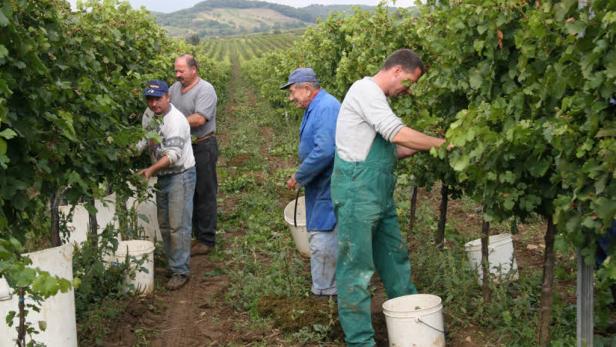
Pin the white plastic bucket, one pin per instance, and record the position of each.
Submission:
(147, 218)
(500, 255)
(58, 311)
(415, 321)
(106, 212)
(147, 214)
(79, 224)
(138, 250)
(299, 232)
(5, 291)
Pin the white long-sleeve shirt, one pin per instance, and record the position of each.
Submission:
(174, 131)
(364, 113)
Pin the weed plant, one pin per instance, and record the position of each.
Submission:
(98, 299)
(270, 279)
(512, 313)
(266, 267)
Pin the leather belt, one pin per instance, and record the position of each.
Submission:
(203, 138)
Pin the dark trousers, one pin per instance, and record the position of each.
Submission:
(204, 212)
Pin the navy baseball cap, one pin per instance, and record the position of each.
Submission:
(155, 88)
(299, 75)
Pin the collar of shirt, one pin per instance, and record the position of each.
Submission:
(315, 101)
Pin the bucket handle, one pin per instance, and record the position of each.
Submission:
(430, 326)
(295, 208)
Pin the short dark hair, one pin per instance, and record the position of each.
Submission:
(190, 61)
(406, 58)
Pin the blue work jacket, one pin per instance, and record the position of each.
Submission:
(317, 145)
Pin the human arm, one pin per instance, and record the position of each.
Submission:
(196, 120)
(415, 140)
(404, 152)
(366, 103)
(175, 134)
(205, 106)
(150, 171)
(322, 153)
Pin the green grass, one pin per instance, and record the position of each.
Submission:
(271, 282)
(266, 264)
(510, 317)
(267, 273)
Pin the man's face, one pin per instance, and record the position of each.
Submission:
(300, 95)
(183, 73)
(403, 80)
(158, 104)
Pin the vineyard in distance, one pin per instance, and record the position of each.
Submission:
(247, 47)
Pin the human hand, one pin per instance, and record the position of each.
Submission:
(292, 183)
(152, 144)
(146, 173)
(404, 152)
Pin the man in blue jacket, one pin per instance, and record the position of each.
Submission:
(316, 154)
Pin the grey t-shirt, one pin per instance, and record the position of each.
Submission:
(364, 113)
(199, 99)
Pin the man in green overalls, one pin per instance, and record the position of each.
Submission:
(369, 140)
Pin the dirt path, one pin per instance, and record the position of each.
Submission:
(204, 312)
(190, 311)
(197, 314)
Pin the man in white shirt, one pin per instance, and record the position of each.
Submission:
(174, 164)
(369, 140)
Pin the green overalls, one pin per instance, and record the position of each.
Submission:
(368, 238)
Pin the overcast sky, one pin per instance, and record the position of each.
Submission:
(174, 5)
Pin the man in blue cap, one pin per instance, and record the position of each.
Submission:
(174, 164)
(316, 154)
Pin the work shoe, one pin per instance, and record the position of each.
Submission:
(325, 297)
(200, 249)
(177, 281)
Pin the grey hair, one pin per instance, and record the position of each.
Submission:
(315, 84)
(190, 61)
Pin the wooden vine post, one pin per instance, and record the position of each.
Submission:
(545, 310)
(413, 210)
(485, 261)
(442, 221)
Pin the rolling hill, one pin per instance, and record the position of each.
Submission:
(232, 17)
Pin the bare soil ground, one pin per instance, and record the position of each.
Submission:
(198, 315)
(186, 317)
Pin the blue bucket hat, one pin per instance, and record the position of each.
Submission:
(156, 88)
(300, 75)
